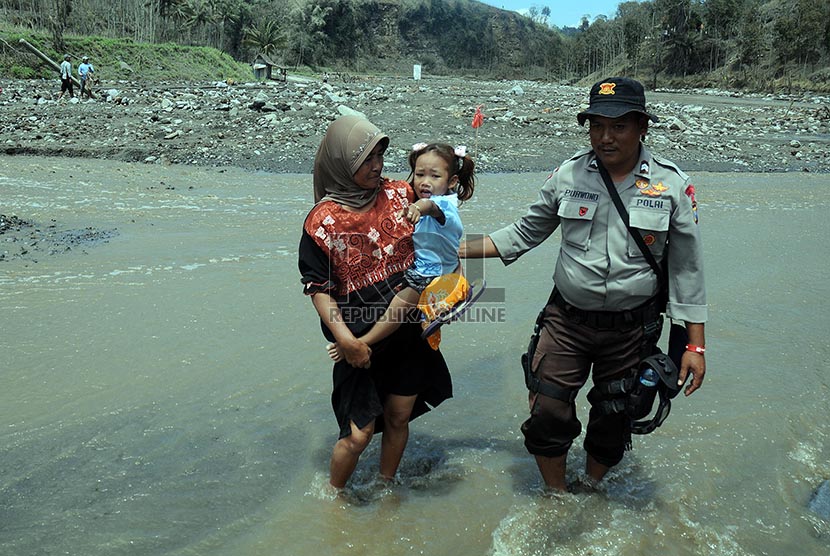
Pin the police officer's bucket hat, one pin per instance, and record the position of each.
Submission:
(615, 97)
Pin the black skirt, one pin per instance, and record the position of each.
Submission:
(403, 364)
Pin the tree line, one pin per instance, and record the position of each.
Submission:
(748, 40)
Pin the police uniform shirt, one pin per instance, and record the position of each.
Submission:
(600, 267)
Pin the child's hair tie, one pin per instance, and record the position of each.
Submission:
(418, 147)
(460, 151)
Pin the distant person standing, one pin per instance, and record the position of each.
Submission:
(66, 76)
(85, 72)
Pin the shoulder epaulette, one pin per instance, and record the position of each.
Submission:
(665, 163)
(580, 153)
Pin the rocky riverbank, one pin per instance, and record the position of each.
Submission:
(276, 126)
(25, 239)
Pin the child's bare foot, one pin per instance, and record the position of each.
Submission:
(334, 352)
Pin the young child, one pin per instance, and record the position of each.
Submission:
(442, 178)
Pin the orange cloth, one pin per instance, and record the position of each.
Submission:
(439, 297)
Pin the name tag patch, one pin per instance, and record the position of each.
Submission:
(582, 195)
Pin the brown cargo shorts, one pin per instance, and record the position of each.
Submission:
(568, 353)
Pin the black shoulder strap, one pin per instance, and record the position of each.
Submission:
(638, 239)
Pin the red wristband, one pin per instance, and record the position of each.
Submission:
(695, 349)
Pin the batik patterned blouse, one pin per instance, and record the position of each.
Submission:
(358, 258)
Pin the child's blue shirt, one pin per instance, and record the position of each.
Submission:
(436, 245)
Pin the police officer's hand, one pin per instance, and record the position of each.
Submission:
(693, 363)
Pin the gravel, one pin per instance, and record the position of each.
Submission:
(276, 126)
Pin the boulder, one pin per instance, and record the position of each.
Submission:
(820, 501)
(346, 111)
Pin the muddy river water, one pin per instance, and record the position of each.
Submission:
(165, 389)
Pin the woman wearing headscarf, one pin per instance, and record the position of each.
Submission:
(354, 249)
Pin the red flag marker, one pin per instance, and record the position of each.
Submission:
(478, 118)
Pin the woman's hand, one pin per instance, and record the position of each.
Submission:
(357, 353)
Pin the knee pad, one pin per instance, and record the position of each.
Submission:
(608, 440)
(551, 427)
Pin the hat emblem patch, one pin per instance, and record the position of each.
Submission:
(607, 88)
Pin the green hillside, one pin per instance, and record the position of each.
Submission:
(756, 44)
(116, 59)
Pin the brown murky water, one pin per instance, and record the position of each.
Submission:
(165, 391)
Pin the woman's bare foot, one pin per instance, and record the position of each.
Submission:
(334, 352)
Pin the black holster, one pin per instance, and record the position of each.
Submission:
(532, 382)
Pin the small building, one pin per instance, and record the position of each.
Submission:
(264, 69)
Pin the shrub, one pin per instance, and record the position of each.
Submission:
(22, 72)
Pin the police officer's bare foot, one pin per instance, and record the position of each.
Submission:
(584, 485)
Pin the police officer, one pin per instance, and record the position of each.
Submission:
(601, 318)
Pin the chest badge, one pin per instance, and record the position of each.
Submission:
(650, 189)
(583, 211)
(649, 239)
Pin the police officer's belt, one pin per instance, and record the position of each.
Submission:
(638, 316)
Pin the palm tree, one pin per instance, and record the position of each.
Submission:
(198, 13)
(309, 31)
(266, 37)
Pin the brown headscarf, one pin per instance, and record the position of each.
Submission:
(348, 141)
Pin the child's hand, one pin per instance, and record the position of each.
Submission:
(412, 213)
